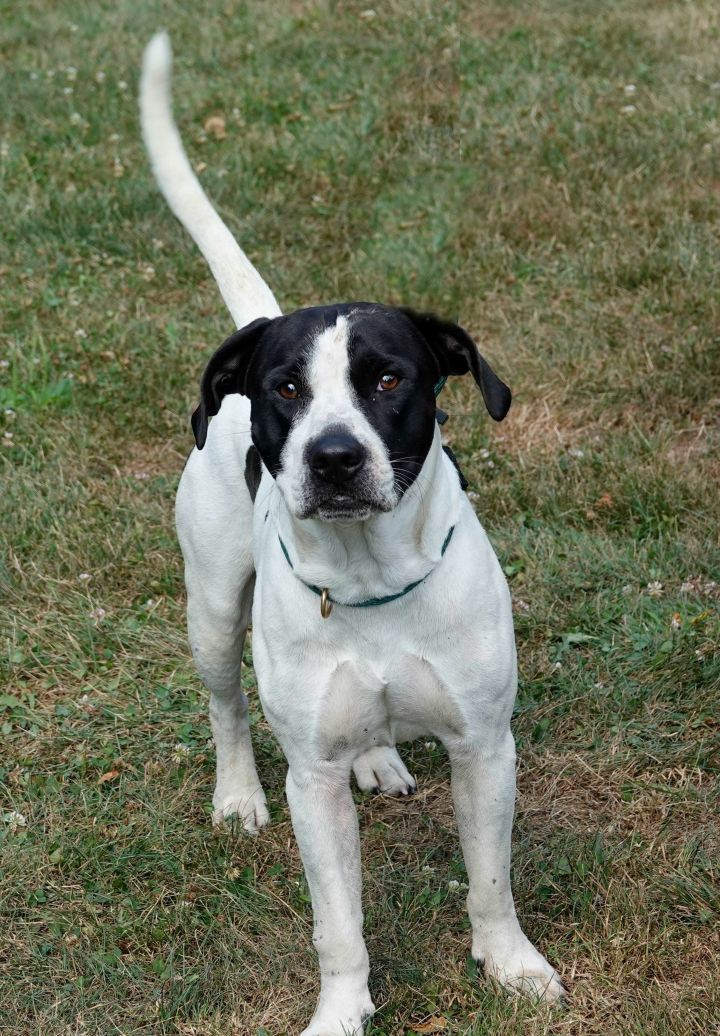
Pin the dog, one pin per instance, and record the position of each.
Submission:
(320, 501)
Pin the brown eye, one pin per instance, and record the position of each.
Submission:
(288, 390)
(388, 382)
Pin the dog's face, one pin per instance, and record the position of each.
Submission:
(343, 400)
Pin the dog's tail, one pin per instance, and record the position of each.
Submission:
(246, 294)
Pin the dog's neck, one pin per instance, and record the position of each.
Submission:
(385, 553)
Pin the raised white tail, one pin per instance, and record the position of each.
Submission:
(246, 294)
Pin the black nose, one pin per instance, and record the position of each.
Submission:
(335, 457)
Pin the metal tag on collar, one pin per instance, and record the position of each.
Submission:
(325, 602)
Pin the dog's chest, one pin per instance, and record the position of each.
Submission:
(339, 695)
(363, 704)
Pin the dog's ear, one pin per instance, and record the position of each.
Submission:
(456, 353)
(225, 373)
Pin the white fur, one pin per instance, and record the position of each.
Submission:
(246, 294)
(340, 693)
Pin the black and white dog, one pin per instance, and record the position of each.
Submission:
(319, 498)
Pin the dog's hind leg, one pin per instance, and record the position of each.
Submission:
(217, 638)
(382, 770)
(214, 524)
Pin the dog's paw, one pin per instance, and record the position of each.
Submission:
(249, 806)
(382, 769)
(340, 1020)
(519, 968)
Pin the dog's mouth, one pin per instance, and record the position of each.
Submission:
(344, 507)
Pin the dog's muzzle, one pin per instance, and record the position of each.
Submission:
(339, 482)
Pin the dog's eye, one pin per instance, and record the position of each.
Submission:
(388, 382)
(288, 390)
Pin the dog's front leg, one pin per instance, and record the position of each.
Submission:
(483, 785)
(326, 827)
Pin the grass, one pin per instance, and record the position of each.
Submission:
(548, 172)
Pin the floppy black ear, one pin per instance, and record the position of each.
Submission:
(225, 373)
(456, 353)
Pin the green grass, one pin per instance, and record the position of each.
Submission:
(493, 162)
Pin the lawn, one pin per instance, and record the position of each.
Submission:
(549, 174)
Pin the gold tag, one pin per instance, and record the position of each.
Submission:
(325, 603)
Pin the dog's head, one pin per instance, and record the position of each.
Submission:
(343, 400)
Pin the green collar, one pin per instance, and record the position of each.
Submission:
(326, 601)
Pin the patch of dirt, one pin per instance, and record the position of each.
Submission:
(566, 791)
(145, 460)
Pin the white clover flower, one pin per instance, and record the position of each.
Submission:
(67, 90)
(431, 745)
(180, 752)
(98, 614)
(4, 364)
(627, 589)
(453, 885)
(9, 412)
(655, 588)
(489, 463)
(99, 76)
(472, 495)
(628, 109)
(520, 605)
(599, 685)
(369, 14)
(427, 869)
(84, 576)
(71, 73)
(14, 820)
(484, 453)
(34, 75)
(576, 452)
(8, 435)
(629, 89)
(558, 665)
(122, 85)
(76, 119)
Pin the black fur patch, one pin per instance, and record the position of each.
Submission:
(463, 481)
(253, 471)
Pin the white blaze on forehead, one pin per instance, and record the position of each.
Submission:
(328, 377)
